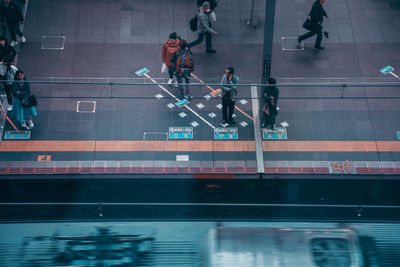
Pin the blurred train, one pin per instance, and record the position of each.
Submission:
(290, 247)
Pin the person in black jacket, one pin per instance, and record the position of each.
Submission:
(213, 4)
(7, 52)
(13, 17)
(271, 96)
(317, 15)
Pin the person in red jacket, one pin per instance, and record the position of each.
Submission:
(168, 50)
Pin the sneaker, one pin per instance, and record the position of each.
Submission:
(175, 84)
(30, 123)
(223, 124)
(211, 51)
(23, 39)
(23, 125)
(170, 81)
(319, 48)
(298, 43)
(13, 43)
(10, 107)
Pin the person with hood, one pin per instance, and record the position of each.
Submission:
(271, 96)
(229, 96)
(13, 17)
(168, 50)
(204, 28)
(22, 89)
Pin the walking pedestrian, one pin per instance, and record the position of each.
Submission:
(213, 4)
(184, 65)
(169, 48)
(21, 89)
(271, 96)
(204, 28)
(13, 17)
(7, 72)
(317, 15)
(6, 50)
(229, 96)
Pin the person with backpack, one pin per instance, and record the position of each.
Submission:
(229, 96)
(7, 72)
(184, 65)
(13, 17)
(317, 15)
(204, 28)
(21, 90)
(270, 111)
(168, 50)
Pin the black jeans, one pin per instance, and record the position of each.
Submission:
(7, 89)
(171, 71)
(179, 77)
(228, 106)
(200, 39)
(316, 30)
(14, 30)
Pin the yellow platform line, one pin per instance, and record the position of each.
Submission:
(198, 146)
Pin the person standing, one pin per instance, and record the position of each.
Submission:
(317, 15)
(13, 17)
(204, 28)
(6, 50)
(229, 96)
(184, 65)
(22, 89)
(7, 72)
(169, 48)
(271, 96)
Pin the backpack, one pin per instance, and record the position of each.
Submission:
(193, 23)
(184, 62)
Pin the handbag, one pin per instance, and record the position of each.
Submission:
(164, 68)
(308, 24)
(29, 101)
(213, 18)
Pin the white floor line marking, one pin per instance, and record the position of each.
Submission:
(257, 130)
(168, 92)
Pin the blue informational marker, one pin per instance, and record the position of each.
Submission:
(277, 134)
(142, 71)
(387, 70)
(181, 103)
(226, 133)
(14, 135)
(398, 135)
(180, 132)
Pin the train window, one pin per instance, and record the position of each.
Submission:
(331, 252)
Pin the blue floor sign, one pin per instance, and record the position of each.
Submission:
(226, 133)
(278, 133)
(180, 132)
(14, 135)
(387, 70)
(181, 103)
(398, 135)
(142, 71)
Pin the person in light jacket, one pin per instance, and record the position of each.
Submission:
(229, 96)
(204, 28)
(7, 72)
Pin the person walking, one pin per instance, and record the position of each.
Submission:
(229, 96)
(271, 96)
(168, 49)
(184, 65)
(204, 28)
(22, 89)
(317, 15)
(7, 51)
(7, 72)
(13, 17)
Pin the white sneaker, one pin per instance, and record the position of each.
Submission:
(10, 107)
(170, 81)
(30, 122)
(13, 43)
(23, 124)
(23, 39)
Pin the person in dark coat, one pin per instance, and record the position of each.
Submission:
(183, 72)
(271, 96)
(13, 17)
(229, 96)
(21, 90)
(7, 52)
(317, 15)
(204, 28)
(213, 4)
